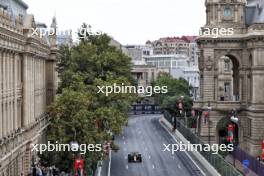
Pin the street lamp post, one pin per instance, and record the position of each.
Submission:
(209, 128)
(74, 147)
(234, 118)
(181, 109)
(174, 123)
(179, 106)
(197, 123)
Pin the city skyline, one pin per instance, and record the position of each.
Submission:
(120, 20)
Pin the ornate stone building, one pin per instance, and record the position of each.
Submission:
(232, 73)
(27, 86)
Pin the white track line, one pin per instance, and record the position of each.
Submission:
(184, 151)
(109, 166)
(99, 170)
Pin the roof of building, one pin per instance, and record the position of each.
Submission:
(3, 6)
(22, 3)
(190, 38)
(254, 11)
(172, 39)
(187, 39)
(41, 25)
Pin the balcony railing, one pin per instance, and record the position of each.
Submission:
(230, 98)
(255, 165)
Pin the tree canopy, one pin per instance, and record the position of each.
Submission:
(177, 88)
(79, 113)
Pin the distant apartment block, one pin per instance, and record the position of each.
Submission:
(184, 45)
(177, 56)
(178, 66)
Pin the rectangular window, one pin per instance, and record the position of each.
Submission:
(148, 53)
(174, 63)
(227, 87)
(167, 64)
(161, 63)
(180, 63)
(249, 127)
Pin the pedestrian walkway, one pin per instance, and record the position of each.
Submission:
(239, 166)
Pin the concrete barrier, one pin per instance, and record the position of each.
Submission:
(196, 154)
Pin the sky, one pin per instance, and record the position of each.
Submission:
(127, 21)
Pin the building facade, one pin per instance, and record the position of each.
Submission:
(185, 45)
(65, 38)
(177, 56)
(148, 63)
(138, 52)
(27, 86)
(178, 66)
(142, 73)
(232, 73)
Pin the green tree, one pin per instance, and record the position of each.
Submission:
(79, 113)
(176, 89)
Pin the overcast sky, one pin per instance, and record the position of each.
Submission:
(128, 21)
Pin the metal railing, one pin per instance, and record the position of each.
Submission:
(145, 109)
(216, 160)
(254, 164)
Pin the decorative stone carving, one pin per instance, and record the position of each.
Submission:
(209, 63)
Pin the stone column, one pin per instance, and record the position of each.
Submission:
(16, 65)
(44, 84)
(257, 76)
(51, 76)
(241, 88)
(216, 94)
(11, 58)
(236, 14)
(219, 15)
(249, 89)
(208, 76)
(256, 111)
(25, 90)
(4, 92)
(31, 89)
(32, 93)
(7, 92)
(1, 96)
(27, 160)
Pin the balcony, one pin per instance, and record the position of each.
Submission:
(228, 105)
(218, 105)
(234, 98)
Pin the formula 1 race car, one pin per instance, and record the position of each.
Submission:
(134, 157)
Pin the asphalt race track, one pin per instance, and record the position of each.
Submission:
(144, 134)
